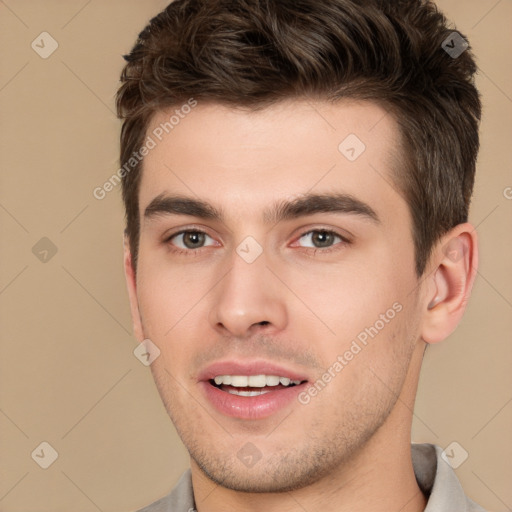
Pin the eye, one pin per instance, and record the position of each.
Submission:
(321, 238)
(190, 239)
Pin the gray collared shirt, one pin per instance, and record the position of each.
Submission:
(435, 478)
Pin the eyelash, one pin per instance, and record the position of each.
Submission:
(195, 252)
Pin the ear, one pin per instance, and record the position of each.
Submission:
(131, 284)
(454, 263)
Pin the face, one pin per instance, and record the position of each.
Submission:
(276, 277)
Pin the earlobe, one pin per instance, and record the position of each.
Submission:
(449, 286)
(131, 285)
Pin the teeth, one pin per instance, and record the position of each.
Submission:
(257, 381)
(239, 381)
(272, 380)
(247, 393)
(253, 381)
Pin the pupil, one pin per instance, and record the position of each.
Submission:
(322, 239)
(193, 239)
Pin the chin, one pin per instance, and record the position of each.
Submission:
(274, 474)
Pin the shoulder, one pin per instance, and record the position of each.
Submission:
(180, 499)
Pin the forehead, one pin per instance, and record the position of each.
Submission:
(243, 160)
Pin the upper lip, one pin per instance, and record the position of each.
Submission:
(255, 367)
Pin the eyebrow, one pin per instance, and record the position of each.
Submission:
(307, 204)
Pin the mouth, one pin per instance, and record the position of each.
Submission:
(250, 390)
(253, 385)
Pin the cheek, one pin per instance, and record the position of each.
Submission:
(167, 295)
(174, 305)
(370, 370)
(347, 299)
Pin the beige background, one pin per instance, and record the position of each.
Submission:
(67, 372)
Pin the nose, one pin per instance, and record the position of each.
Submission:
(247, 299)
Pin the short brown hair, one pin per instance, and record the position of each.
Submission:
(253, 53)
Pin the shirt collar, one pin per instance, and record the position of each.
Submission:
(438, 481)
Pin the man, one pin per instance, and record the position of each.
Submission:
(297, 181)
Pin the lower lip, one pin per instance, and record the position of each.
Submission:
(250, 407)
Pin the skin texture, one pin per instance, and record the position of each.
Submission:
(349, 447)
